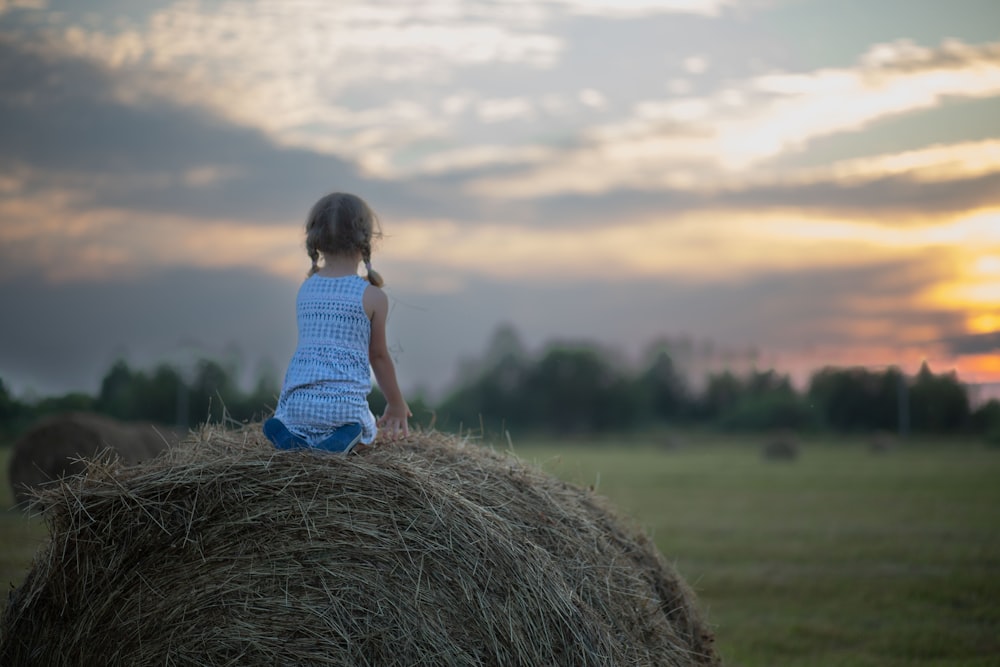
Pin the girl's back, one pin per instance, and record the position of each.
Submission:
(328, 378)
(331, 316)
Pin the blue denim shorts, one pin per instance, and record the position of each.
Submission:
(340, 440)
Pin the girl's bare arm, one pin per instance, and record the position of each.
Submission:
(394, 419)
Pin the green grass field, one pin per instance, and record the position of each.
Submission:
(20, 535)
(841, 558)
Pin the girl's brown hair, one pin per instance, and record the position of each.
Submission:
(342, 224)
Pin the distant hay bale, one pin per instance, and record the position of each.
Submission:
(434, 551)
(54, 446)
(881, 442)
(783, 446)
(671, 443)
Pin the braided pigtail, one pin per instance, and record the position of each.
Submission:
(314, 255)
(374, 277)
(318, 228)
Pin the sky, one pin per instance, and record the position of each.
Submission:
(781, 183)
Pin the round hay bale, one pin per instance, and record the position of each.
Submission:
(783, 446)
(671, 443)
(434, 551)
(881, 442)
(54, 447)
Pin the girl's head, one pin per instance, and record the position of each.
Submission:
(342, 224)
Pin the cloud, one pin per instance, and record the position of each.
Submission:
(939, 162)
(905, 55)
(974, 344)
(632, 8)
(285, 69)
(67, 132)
(891, 79)
(13, 5)
(364, 81)
(695, 64)
(494, 110)
(61, 245)
(898, 189)
(626, 165)
(681, 142)
(49, 232)
(368, 83)
(154, 316)
(896, 200)
(120, 188)
(149, 319)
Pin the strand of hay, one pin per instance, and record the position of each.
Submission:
(430, 552)
(54, 447)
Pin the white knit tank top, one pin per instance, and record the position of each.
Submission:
(329, 377)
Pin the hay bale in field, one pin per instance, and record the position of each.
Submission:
(434, 551)
(881, 442)
(54, 446)
(783, 446)
(671, 442)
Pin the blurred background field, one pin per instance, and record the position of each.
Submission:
(841, 556)
(20, 533)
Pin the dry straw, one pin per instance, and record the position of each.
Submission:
(435, 551)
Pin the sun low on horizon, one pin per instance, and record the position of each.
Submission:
(816, 181)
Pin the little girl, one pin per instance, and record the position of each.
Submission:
(341, 322)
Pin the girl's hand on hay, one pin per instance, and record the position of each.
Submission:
(393, 423)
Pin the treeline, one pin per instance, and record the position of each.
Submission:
(578, 389)
(162, 395)
(211, 393)
(564, 390)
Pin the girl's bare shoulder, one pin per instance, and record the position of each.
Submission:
(375, 300)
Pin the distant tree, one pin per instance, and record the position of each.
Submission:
(134, 395)
(262, 399)
(664, 391)
(986, 416)
(8, 406)
(771, 411)
(72, 402)
(722, 393)
(571, 388)
(13, 413)
(856, 398)
(767, 382)
(985, 420)
(575, 389)
(494, 398)
(759, 400)
(490, 390)
(211, 392)
(161, 395)
(768, 401)
(117, 395)
(938, 403)
(504, 348)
